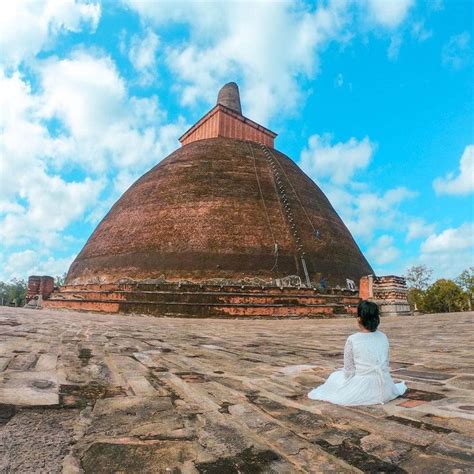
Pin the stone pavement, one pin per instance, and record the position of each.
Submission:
(113, 393)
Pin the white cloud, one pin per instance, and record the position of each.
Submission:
(338, 162)
(80, 117)
(418, 228)
(452, 239)
(84, 91)
(394, 47)
(27, 27)
(463, 183)
(436, 5)
(419, 31)
(366, 212)
(266, 47)
(106, 128)
(52, 204)
(456, 52)
(37, 203)
(232, 41)
(142, 55)
(389, 13)
(28, 262)
(383, 251)
(449, 252)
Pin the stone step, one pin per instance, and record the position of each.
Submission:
(203, 288)
(203, 309)
(204, 297)
(204, 300)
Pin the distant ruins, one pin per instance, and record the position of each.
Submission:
(224, 226)
(389, 292)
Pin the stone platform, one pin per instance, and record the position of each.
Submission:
(205, 300)
(114, 393)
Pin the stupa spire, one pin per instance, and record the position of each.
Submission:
(225, 119)
(229, 97)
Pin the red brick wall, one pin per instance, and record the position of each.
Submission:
(46, 286)
(33, 287)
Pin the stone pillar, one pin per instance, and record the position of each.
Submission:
(46, 286)
(366, 287)
(229, 97)
(34, 282)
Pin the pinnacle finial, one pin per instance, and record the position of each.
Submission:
(229, 97)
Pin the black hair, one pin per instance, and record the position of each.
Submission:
(368, 312)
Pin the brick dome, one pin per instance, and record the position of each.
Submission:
(221, 208)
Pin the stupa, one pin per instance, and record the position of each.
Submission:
(225, 225)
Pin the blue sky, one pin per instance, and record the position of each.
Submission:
(374, 100)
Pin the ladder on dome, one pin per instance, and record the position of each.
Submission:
(275, 243)
(282, 193)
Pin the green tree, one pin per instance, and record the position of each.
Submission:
(59, 280)
(444, 296)
(466, 281)
(416, 299)
(418, 278)
(3, 293)
(13, 292)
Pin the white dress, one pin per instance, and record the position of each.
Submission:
(365, 378)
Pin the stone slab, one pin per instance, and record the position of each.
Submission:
(143, 394)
